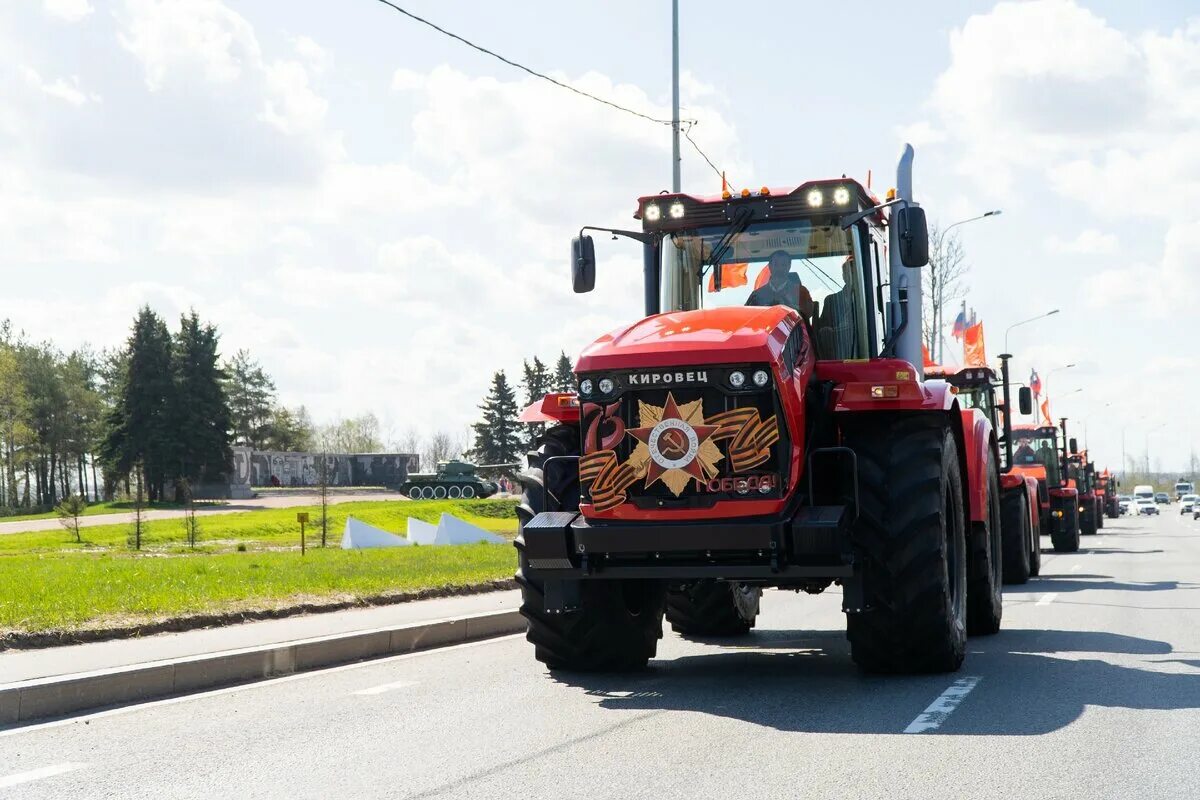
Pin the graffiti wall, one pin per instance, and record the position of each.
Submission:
(270, 468)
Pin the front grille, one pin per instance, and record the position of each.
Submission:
(682, 438)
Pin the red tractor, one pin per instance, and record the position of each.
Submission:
(1036, 453)
(1081, 474)
(767, 424)
(1107, 487)
(1020, 515)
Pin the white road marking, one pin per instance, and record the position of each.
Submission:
(1046, 599)
(940, 709)
(385, 687)
(39, 774)
(58, 723)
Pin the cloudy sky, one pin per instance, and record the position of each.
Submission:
(382, 216)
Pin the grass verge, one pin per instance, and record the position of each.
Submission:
(69, 591)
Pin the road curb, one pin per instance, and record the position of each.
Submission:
(56, 696)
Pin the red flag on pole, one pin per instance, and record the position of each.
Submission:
(1046, 412)
(973, 350)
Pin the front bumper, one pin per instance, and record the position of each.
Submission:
(815, 543)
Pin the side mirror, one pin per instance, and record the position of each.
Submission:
(583, 264)
(1074, 445)
(1025, 400)
(913, 234)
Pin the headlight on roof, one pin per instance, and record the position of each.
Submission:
(652, 212)
(676, 210)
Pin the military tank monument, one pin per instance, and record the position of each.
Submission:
(453, 480)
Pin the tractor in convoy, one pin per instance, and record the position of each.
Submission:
(1081, 474)
(1106, 488)
(1036, 453)
(1020, 516)
(766, 424)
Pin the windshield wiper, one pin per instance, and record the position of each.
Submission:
(739, 224)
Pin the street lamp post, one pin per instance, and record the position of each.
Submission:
(1152, 430)
(938, 344)
(1025, 322)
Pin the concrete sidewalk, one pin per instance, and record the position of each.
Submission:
(24, 665)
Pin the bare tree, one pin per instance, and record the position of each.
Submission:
(942, 284)
(410, 441)
(191, 523)
(441, 446)
(323, 494)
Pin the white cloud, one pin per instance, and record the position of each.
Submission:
(69, 91)
(1089, 242)
(68, 10)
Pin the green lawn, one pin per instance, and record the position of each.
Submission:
(71, 591)
(244, 560)
(267, 528)
(111, 507)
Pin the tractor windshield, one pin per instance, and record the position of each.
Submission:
(810, 264)
(1032, 448)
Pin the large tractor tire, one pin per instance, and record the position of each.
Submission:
(1099, 517)
(985, 603)
(1018, 533)
(713, 608)
(619, 622)
(1087, 523)
(912, 531)
(1064, 534)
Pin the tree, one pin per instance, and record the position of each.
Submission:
(69, 511)
(354, 435)
(410, 441)
(139, 428)
(943, 285)
(200, 411)
(441, 446)
(290, 430)
(47, 417)
(85, 412)
(496, 435)
(251, 394)
(564, 375)
(537, 382)
(14, 433)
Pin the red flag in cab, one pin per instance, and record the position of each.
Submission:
(732, 275)
(929, 362)
(973, 352)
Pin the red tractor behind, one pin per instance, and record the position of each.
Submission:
(767, 424)
(1019, 505)
(1107, 487)
(1036, 454)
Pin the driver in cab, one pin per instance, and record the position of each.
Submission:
(783, 287)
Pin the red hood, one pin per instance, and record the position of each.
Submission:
(708, 336)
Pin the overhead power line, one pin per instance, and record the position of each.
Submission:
(685, 124)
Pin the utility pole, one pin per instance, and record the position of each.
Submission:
(676, 184)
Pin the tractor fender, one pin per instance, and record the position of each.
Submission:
(1064, 491)
(979, 446)
(1026, 485)
(561, 407)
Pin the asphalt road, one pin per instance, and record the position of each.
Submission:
(1092, 690)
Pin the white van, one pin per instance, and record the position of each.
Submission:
(1143, 491)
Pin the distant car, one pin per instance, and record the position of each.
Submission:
(1124, 504)
(1162, 498)
(1147, 506)
(1187, 503)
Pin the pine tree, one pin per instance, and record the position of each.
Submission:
(201, 413)
(564, 375)
(139, 428)
(251, 395)
(497, 440)
(536, 381)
